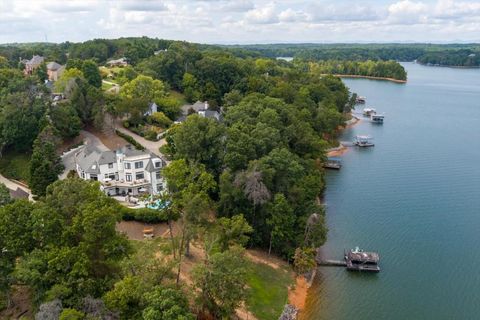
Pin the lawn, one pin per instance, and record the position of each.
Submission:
(15, 165)
(268, 290)
(178, 96)
(106, 86)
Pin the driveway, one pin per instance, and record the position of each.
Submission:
(151, 146)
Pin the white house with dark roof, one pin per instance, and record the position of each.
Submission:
(126, 171)
(200, 108)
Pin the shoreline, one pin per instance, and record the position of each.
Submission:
(341, 149)
(369, 77)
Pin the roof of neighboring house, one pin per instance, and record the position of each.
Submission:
(53, 66)
(18, 194)
(121, 60)
(197, 106)
(36, 60)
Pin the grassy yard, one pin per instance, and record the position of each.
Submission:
(15, 165)
(268, 290)
(106, 86)
(179, 96)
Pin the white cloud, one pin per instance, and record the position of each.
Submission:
(242, 21)
(262, 15)
(407, 12)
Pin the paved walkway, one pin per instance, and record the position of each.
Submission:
(12, 185)
(152, 146)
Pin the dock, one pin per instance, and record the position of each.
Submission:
(354, 260)
(332, 263)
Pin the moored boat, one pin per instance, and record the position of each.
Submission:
(359, 260)
(369, 111)
(333, 163)
(363, 141)
(360, 100)
(377, 118)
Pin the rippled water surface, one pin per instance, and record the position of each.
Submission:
(414, 198)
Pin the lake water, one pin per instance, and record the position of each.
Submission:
(414, 198)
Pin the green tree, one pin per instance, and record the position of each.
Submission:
(200, 140)
(126, 297)
(281, 223)
(166, 304)
(92, 73)
(144, 87)
(232, 231)
(304, 260)
(221, 282)
(66, 77)
(15, 240)
(4, 195)
(41, 72)
(77, 249)
(65, 119)
(71, 314)
(45, 164)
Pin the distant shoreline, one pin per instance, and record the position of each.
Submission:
(369, 77)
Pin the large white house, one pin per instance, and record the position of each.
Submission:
(126, 171)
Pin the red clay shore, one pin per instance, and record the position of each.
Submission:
(369, 77)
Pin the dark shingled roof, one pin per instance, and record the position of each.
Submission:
(18, 194)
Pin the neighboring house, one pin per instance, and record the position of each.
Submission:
(122, 62)
(159, 51)
(202, 109)
(32, 64)
(152, 108)
(54, 70)
(126, 171)
(18, 193)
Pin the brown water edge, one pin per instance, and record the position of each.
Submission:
(369, 77)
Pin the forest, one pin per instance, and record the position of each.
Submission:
(437, 54)
(252, 180)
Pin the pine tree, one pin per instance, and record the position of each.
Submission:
(45, 165)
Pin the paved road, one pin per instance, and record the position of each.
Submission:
(151, 146)
(68, 158)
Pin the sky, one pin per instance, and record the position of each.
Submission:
(242, 21)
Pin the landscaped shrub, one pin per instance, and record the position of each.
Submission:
(143, 215)
(159, 118)
(130, 140)
(151, 135)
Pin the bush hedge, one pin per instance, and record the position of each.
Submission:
(130, 140)
(143, 215)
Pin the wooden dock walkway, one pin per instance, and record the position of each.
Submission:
(332, 263)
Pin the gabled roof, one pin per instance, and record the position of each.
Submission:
(53, 66)
(18, 194)
(197, 106)
(107, 157)
(36, 60)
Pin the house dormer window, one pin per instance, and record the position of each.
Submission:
(158, 164)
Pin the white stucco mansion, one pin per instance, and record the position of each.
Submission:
(126, 171)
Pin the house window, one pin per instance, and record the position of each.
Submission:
(159, 187)
(139, 165)
(93, 177)
(127, 165)
(128, 177)
(158, 164)
(139, 176)
(110, 165)
(83, 175)
(106, 175)
(157, 175)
